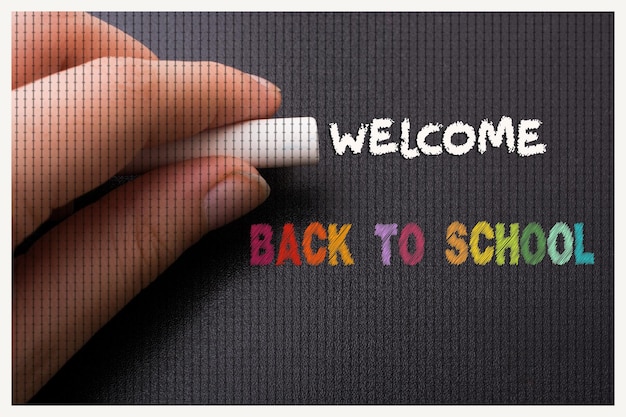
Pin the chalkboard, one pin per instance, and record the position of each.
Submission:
(435, 308)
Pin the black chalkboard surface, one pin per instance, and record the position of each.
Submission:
(495, 286)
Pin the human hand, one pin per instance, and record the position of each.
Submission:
(87, 98)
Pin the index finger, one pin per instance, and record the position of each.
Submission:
(45, 43)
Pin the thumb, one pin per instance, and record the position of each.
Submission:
(74, 279)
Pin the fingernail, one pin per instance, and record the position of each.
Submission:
(234, 196)
(263, 82)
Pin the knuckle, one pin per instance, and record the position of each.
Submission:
(152, 247)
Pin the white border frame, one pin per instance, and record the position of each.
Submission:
(319, 5)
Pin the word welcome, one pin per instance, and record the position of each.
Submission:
(485, 243)
(457, 139)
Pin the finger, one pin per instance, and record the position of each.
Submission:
(74, 130)
(48, 42)
(84, 271)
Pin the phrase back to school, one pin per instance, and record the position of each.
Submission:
(484, 243)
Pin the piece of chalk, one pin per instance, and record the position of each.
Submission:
(263, 143)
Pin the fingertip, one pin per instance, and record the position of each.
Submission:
(273, 96)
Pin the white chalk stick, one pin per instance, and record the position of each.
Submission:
(264, 143)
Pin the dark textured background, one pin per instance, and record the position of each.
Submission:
(214, 330)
